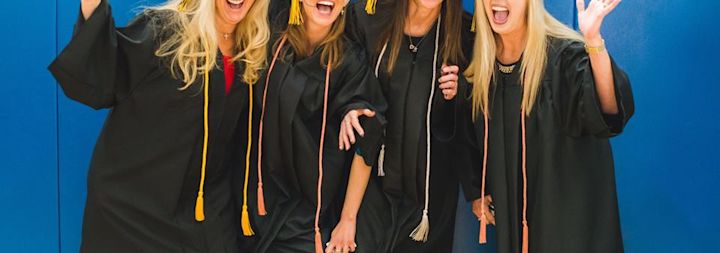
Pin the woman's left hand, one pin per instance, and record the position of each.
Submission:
(590, 19)
(448, 81)
(342, 239)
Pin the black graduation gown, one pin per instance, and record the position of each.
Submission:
(144, 175)
(572, 202)
(291, 137)
(407, 91)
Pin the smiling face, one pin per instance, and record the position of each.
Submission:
(322, 12)
(506, 16)
(231, 12)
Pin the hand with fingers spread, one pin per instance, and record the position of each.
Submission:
(351, 124)
(484, 210)
(590, 19)
(449, 81)
(342, 239)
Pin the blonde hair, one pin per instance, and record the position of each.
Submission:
(191, 45)
(541, 26)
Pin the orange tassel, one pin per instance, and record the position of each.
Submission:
(483, 231)
(318, 241)
(261, 200)
(200, 207)
(525, 235)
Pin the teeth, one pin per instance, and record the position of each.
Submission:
(326, 3)
(236, 1)
(498, 8)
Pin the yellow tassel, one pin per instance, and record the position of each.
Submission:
(474, 23)
(420, 234)
(245, 222)
(247, 230)
(200, 202)
(200, 207)
(370, 6)
(295, 15)
(182, 6)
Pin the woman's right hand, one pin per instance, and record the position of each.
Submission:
(486, 213)
(88, 7)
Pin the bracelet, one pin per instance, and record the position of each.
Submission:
(595, 50)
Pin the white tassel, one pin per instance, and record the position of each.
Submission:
(381, 161)
(420, 234)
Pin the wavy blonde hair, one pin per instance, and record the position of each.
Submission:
(541, 26)
(191, 44)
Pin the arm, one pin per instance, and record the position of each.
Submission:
(102, 63)
(590, 21)
(343, 236)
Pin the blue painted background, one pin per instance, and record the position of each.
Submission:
(667, 175)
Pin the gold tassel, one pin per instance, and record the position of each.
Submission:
(474, 23)
(182, 6)
(370, 6)
(295, 15)
(200, 202)
(420, 234)
(200, 207)
(245, 222)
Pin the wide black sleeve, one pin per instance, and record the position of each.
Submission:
(579, 103)
(361, 90)
(103, 64)
(467, 145)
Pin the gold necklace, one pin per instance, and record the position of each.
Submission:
(506, 69)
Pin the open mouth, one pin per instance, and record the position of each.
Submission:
(325, 7)
(500, 15)
(235, 4)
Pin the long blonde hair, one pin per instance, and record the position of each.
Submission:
(191, 46)
(541, 26)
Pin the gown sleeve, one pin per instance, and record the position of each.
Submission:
(467, 146)
(102, 64)
(362, 91)
(580, 105)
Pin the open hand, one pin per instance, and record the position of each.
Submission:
(590, 19)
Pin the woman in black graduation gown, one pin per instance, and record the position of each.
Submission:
(177, 81)
(315, 76)
(418, 49)
(545, 101)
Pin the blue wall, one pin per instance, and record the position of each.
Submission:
(666, 174)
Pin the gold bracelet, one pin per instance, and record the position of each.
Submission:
(595, 50)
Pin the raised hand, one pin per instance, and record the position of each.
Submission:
(88, 7)
(590, 19)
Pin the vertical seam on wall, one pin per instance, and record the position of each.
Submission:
(57, 134)
(575, 15)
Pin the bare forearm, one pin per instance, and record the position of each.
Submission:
(359, 177)
(603, 77)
